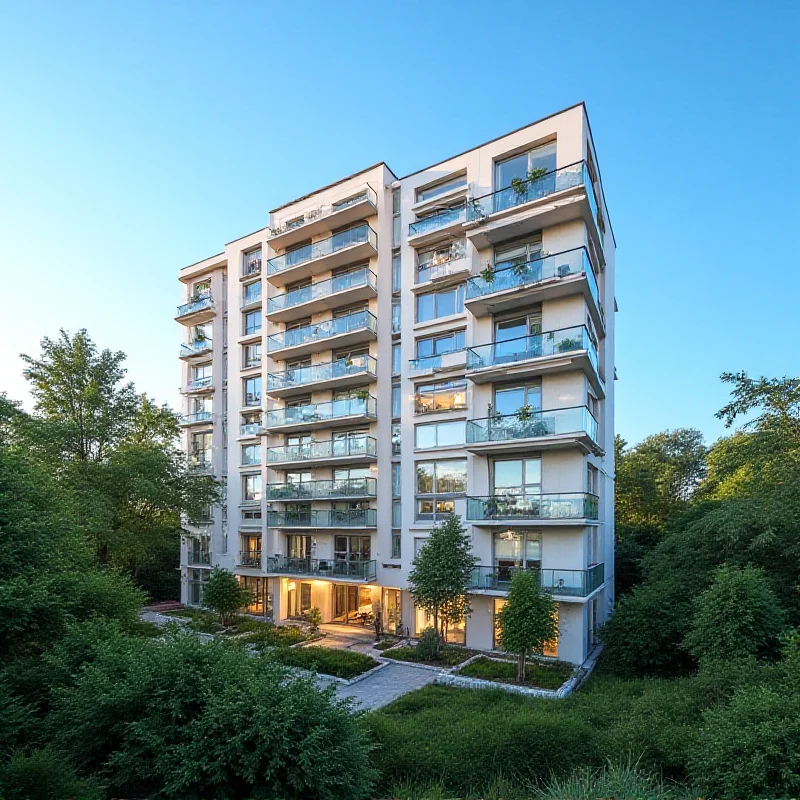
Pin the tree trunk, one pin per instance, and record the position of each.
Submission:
(521, 668)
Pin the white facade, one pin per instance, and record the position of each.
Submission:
(439, 343)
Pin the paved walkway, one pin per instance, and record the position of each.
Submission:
(385, 685)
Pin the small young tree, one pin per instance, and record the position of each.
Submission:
(528, 619)
(441, 573)
(225, 595)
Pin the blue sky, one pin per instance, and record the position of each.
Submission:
(140, 137)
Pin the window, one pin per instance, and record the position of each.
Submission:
(396, 218)
(397, 538)
(517, 477)
(397, 399)
(251, 355)
(518, 167)
(252, 262)
(251, 515)
(433, 261)
(396, 439)
(252, 293)
(440, 396)
(514, 549)
(397, 279)
(510, 399)
(395, 482)
(442, 477)
(251, 488)
(202, 373)
(441, 344)
(351, 548)
(505, 257)
(200, 405)
(440, 434)
(448, 184)
(252, 322)
(251, 454)
(443, 303)
(396, 359)
(201, 289)
(252, 391)
(396, 316)
(349, 201)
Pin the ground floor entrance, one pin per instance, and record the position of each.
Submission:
(353, 604)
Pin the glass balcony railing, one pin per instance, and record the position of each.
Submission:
(367, 195)
(335, 518)
(563, 582)
(523, 192)
(451, 359)
(195, 348)
(323, 490)
(502, 507)
(439, 219)
(349, 323)
(196, 304)
(529, 273)
(530, 425)
(326, 288)
(324, 568)
(249, 429)
(252, 294)
(199, 383)
(361, 234)
(198, 416)
(322, 412)
(552, 343)
(200, 463)
(250, 558)
(346, 447)
(342, 368)
(194, 557)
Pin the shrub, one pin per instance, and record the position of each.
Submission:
(225, 595)
(429, 647)
(275, 636)
(339, 663)
(44, 775)
(448, 656)
(180, 718)
(543, 675)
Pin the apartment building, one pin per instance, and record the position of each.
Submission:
(390, 351)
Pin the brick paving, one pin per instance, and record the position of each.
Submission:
(386, 685)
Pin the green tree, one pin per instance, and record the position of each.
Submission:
(528, 620)
(736, 617)
(224, 594)
(441, 574)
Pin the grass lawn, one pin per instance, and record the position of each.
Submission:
(325, 660)
(539, 674)
(385, 644)
(451, 656)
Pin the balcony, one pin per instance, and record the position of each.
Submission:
(334, 569)
(558, 582)
(328, 217)
(198, 385)
(198, 558)
(557, 351)
(346, 331)
(249, 429)
(338, 250)
(558, 196)
(438, 225)
(441, 273)
(198, 347)
(575, 508)
(347, 450)
(343, 488)
(539, 430)
(339, 374)
(200, 464)
(352, 287)
(456, 360)
(527, 282)
(335, 413)
(198, 310)
(198, 418)
(250, 558)
(331, 519)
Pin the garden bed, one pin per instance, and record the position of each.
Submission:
(538, 674)
(325, 660)
(451, 656)
(385, 644)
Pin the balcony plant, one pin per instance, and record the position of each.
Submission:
(570, 343)
(362, 394)
(519, 186)
(488, 273)
(519, 266)
(525, 413)
(475, 208)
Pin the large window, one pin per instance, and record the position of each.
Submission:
(252, 293)
(396, 359)
(520, 167)
(351, 548)
(443, 303)
(251, 356)
(397, 401)
(448, 477)
(251, 454)
(440, 434)
(516, 550)
(440, 396)
(252, 391)
(251, 322)
(518, 477)
(251, 487)
(441, 344)
(447, 185)
(396, 479)
(397, 275)
(252, 262)
(396, 238)
(505, 257)
(510, 399)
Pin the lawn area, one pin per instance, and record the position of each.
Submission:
(385, 644)
(325, 660)
(451, 656)
(538, 674)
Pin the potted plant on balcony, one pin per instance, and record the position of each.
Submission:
(520, 187)
(570, 343)
(488, 273)
(519, 267)
(362, 394)
(525, 413)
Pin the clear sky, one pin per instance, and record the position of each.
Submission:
(138, 137)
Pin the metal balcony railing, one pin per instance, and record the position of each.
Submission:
(250, 558)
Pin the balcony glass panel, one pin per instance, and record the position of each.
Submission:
(346, 447)
(335, 518)
(361, 234)
(250, 558)
(320, 412)
(321, 490)
(196, 347)
(564, 582)
(199, 383)
(565, 340)
(326, 288)
(249, 429)
(367, 194)
(439, 219)
(360, 320)
(576, 505)
(200, 416)
(252, 294)
(524, 425)
(200, 303)
(524, 191)
(299, 376)
(330, 568)
(528, 273)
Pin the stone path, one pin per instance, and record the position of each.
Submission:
(386, 685)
